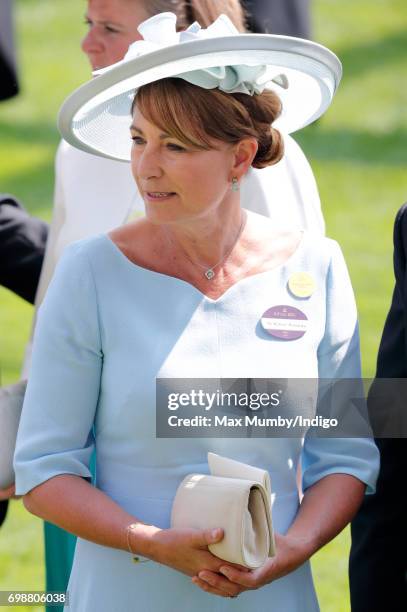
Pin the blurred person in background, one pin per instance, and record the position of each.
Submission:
(8, 70)
(94, 195)
(22, 237)
(378, 560)
(22, 248)
(287, 17)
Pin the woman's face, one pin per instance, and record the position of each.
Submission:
(112, 28)
(177, 182)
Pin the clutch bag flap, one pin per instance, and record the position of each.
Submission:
(223, 466)
(230, 468)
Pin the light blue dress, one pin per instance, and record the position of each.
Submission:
(106, 330)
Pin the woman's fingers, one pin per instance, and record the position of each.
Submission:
(187, 550)
(205, 537)
(249, 580)
(239, 567)
(208, 588)
(220, 583)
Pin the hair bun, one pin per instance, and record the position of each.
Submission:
(271, 147)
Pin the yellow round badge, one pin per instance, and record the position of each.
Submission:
(301, 284)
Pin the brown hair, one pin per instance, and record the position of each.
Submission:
(197, 116)
(203, 11)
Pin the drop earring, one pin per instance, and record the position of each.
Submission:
(235, 184)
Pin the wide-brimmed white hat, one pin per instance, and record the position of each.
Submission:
(305, 75)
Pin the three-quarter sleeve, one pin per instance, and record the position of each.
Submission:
(56, 429)
(339, 358)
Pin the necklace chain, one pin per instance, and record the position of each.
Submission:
(210, 273)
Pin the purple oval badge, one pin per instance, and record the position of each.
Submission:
(284, 322)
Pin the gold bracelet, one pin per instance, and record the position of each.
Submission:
(136, 558)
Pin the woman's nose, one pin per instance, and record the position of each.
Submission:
(91, 43)
(148, 164)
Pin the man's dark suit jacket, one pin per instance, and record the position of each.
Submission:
(22, 247)
(288, 17)
(378, 560)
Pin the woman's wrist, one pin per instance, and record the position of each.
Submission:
(301, 546)
(307, 544)
(140, 539)
(292, 552)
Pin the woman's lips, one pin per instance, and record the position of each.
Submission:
(159, 195)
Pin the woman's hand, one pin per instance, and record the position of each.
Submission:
(186, 550)
(291, 552)
(326, 508)
(8, 493)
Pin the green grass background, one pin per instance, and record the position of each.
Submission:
(358, 152)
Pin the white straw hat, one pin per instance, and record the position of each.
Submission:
(305, 75)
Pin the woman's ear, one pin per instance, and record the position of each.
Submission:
(244, 154)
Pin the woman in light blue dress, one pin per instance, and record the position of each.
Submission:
(181, 294)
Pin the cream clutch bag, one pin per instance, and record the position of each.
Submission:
(236, 497)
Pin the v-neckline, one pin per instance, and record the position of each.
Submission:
(294, 255)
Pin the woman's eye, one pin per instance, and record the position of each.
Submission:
(137, 140)
(108, 28)
(111, 29)
(174, 147)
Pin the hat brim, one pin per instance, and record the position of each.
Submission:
(96, 116)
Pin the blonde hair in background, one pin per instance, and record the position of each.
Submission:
(203, 11)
